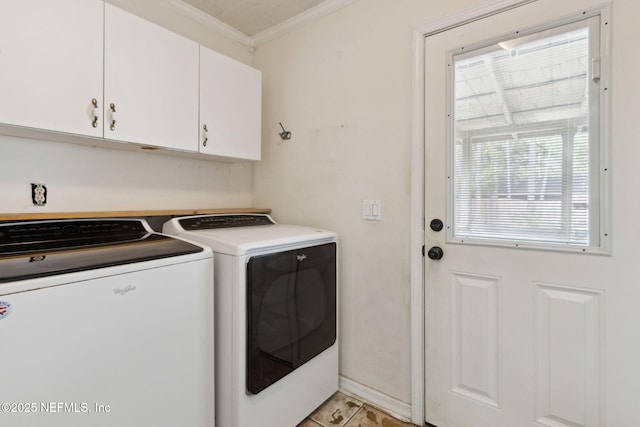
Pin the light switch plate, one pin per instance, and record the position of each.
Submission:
(372, 210)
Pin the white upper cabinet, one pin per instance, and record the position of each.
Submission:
(51, 64)
(76, 68)
(151, 79)
(230, 107)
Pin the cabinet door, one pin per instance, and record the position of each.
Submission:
(230, 107)
(51, 64)
(151, 79)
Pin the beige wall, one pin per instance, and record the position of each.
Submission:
(83, 178)
(342, 86)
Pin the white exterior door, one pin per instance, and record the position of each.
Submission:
(532, 337)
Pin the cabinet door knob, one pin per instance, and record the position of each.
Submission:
(113, 116)
(94, 122)
(206, 135)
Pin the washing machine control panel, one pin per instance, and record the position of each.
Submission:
(224, 221)
(35, 249)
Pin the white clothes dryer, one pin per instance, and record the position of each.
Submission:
(275, 316)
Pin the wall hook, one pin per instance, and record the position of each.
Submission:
(285, 134)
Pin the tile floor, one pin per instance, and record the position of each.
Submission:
(345, 411)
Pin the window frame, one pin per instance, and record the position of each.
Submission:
(599, 124)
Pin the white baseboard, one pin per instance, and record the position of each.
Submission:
(391, 405)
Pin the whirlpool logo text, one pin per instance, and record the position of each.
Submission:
(124, 291)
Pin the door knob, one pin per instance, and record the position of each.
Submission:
(435, 253)
(436, 224)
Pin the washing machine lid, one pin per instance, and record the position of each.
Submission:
(245, 234)
(35, 249)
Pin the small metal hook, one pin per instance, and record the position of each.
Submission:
(285, 134)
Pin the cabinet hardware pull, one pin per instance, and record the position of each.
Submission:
(113, 116)
(206, 135)
(94, 123)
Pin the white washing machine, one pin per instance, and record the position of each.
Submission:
(104, 323)
(275, 316)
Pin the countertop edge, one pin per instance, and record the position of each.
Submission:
(122, 214)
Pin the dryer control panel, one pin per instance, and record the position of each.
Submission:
(209, 222)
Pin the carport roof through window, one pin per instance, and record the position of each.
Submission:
(525, 138)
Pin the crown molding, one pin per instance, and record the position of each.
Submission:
(211, 22)
(321, 10)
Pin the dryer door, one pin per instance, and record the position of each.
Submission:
(291, 309)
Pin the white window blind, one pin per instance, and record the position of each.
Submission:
(525, 138)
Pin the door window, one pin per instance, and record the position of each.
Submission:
(526, 140)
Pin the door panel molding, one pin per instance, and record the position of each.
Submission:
(568, 364)
(475, 337)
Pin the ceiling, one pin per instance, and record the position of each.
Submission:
(252, 17)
